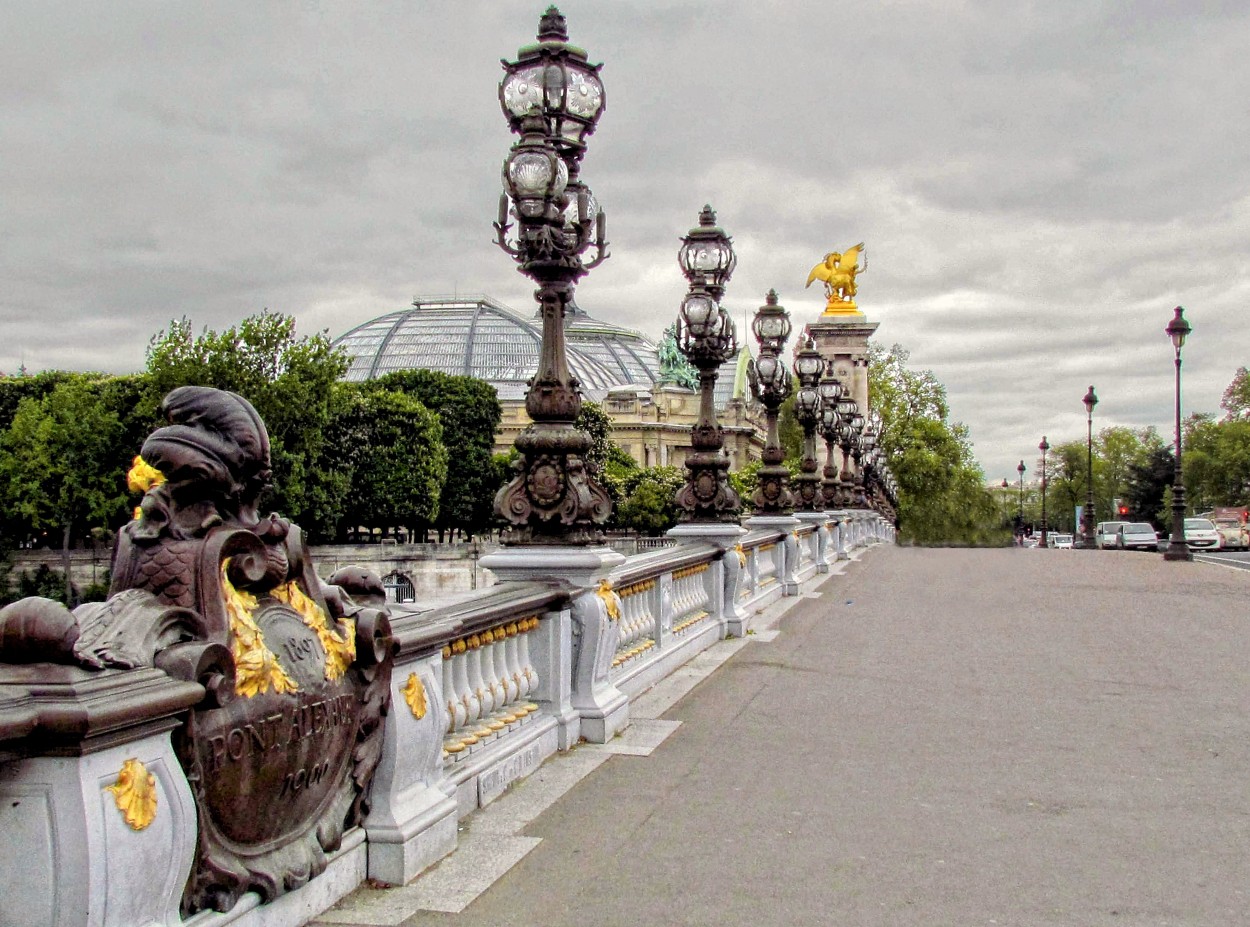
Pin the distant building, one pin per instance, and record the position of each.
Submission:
(618, 367)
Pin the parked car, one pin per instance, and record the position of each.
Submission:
(1201, 534)
(1137, 535)
(1061, 541)
(1104, 536)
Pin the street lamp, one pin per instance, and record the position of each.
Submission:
(808, 365)
(707, 337)
(1020, 516)
(851, 423)
(771, 385)
(553, 98)
(1044, 447)
(831, 392)
(1087, 516)
(1178, 548)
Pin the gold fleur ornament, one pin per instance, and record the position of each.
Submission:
(135, 794)
(414, 694)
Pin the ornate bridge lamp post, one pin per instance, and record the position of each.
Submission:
(1044, 447)
(1178, 548)
(1087, 516)
(1020, 513)
(553, 99)
(771, 385)
(707, 337)
(848, 414)
(808, 365)
(831, 393)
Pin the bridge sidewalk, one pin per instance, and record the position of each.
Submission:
(935, 737)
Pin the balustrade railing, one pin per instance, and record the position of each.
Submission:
(487, 679)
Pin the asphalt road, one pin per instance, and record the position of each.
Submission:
(941, 737)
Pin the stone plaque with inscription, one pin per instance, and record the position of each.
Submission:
(280, 752)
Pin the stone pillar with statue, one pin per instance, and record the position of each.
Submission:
(842, 331)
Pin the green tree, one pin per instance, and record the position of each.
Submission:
(470, 413)
(288, 379)
(1149, 488)
(942, 493)
(400, 463)
(58, 463)
(649, 503)
(1217, 462)
(594, 421)
(1236, 401)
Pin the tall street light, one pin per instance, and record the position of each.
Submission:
(707, 337)
(808, 365)
(1044, 447)
(771, 385)
(1020, 514)
(552, 98)
(831, 393)
(1178, 547)
(1087, 516)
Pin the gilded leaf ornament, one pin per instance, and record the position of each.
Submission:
(135, 794)
(610, 599)
(256, 668)
(414, 694)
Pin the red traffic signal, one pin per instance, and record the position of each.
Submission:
(1123, 510)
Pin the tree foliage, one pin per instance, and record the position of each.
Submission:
(469, 411)
(942, 496)
(649, 500)
(288, 379)
(58, 462)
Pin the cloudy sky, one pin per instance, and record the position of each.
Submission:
(1038, 183)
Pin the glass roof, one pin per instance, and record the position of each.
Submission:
(480, 337)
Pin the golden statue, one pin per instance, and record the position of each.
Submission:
(837, 271)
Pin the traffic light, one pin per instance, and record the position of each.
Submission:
(1121, 510)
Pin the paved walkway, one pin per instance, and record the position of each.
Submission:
(935, 737)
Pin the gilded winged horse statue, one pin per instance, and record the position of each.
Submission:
(837, 271)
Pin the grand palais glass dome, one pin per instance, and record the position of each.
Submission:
(479, 337)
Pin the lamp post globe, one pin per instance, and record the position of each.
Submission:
(1178, 548)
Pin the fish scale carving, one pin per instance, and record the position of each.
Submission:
(167, 571)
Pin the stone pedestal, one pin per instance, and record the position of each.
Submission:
(98, 820)
(844, 340)
(725, 575)
(412, 823)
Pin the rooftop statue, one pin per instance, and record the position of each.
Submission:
(674, 368)
(296, 673)
(837, 271)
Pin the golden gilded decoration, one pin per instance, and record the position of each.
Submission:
(256, 669)
(493, 635)
(692, 620)
(742, 555)
(837, 271)
(690, 571)
(414, 694)
(644, 585)
(142, 476)
(135, 794)
(340, 648)
(610, 599)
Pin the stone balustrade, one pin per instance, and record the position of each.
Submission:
(485, 686)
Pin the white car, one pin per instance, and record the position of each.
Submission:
(1136, 536)
(1201, 534)
(1061, 541)
(1104, 537)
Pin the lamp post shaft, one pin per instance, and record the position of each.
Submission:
(1178, 547)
